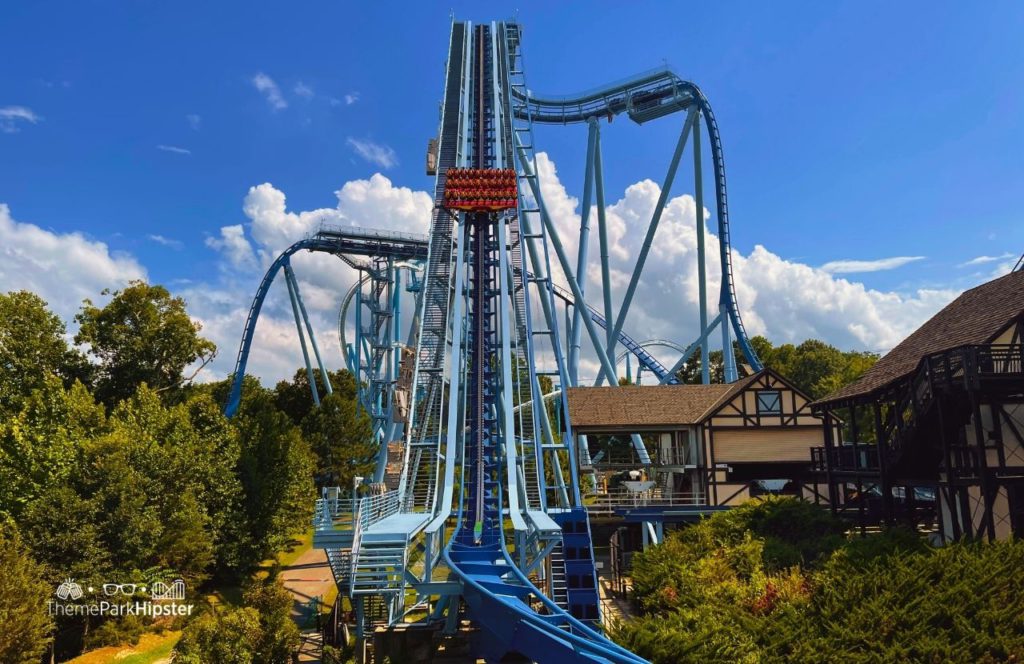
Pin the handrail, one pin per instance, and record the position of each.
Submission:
(373, 509)
(331, 230)
(606, 504)
(959, 366)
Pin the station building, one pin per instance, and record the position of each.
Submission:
(934, 432)
(673, 452)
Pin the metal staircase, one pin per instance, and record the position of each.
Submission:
(559, 584)
(425, 428)
(379, 567)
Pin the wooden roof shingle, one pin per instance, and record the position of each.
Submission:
(648, 406)
(975, 317)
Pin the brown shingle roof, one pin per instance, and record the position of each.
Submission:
(975, 317)
(647, 406)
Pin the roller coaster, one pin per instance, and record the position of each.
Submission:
(475, 512)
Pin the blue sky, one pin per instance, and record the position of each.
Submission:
(852, 131)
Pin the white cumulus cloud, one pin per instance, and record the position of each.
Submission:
(271, 228)
(784, 300)
(234, 246)
(62, 268)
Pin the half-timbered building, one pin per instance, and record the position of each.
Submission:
(679, 446)
(935, 430)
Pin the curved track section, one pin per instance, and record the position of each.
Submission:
(646, 360)
(501, 598)
(346, 242)
(646, 97)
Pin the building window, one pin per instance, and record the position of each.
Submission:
(769, 402)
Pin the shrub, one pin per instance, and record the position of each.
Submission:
(723, 591)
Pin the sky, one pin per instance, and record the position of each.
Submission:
(873, 151)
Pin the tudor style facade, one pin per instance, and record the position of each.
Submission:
(935, 434)
(761, 434)
(704, 446)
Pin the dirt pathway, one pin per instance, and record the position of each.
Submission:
(308, 577)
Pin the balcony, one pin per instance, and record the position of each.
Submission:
(609, 504)
(854, 457)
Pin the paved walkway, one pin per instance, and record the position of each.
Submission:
(308, 577)
(614, 609)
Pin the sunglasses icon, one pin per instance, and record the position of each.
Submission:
(123, 588)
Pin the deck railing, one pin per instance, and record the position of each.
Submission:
(372, 509)
(607, 504)
(850, 457)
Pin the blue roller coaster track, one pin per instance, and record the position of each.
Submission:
(475, 509)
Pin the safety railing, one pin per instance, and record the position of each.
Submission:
(846, 457)
(608, 503)
(327, 508)
(323, 519)
(372, 509)
(368, 233)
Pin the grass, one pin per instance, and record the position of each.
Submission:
(161, 651)
(298, 545)
(151, 648)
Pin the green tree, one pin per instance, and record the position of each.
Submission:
(262, 632)
(295, 399)
(32, 347)
(40, 446)
(275, 468)
(64, 531)
(279, 634)
(25, 625)
(341, 435)
(213, 638)
(143, 335)
(774, 581)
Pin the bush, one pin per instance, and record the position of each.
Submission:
(115, 631)
(260, 633)
(24, 623)
(723, 591)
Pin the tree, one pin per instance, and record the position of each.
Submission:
(220, 639)
(40, 446)
(77, 552)
(32, 347)
(295, 399)
(280, 634)
(262, 632)
(812, 366)
(25, 625)
(340, 433)
(143, 335)
(275, 468)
